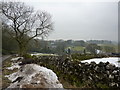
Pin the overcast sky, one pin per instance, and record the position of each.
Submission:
(81, 20)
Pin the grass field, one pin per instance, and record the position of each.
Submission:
(109, 45)
(77, 48)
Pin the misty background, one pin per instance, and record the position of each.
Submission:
(82, 20)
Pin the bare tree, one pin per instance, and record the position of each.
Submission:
(26, 23)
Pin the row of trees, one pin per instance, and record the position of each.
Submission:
(10, 45)
(100, 41)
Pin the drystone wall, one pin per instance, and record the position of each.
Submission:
(78, 73)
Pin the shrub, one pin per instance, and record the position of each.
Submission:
(26, 56)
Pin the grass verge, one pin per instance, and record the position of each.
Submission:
(5, 81)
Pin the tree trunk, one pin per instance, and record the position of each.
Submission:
(22, 49)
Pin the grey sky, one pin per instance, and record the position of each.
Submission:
(82, 20)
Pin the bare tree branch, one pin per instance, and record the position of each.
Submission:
(25, 22)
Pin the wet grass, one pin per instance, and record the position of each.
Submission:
(6, 63)
(78, 48)
(65, 83)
